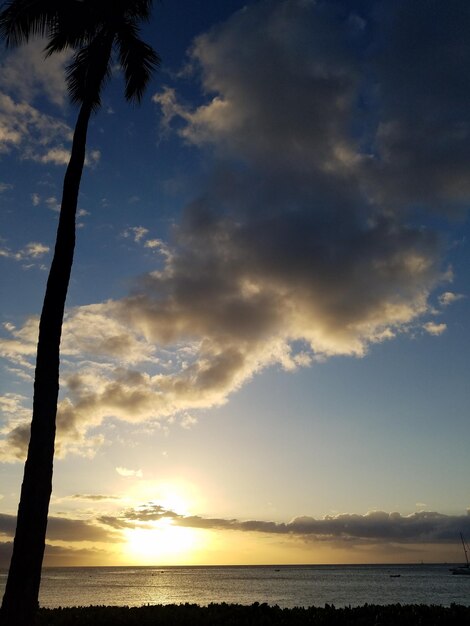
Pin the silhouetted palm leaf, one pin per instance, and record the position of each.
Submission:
(22, 19)
(89, 71)
(138, 61)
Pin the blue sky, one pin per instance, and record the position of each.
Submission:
(265, 351)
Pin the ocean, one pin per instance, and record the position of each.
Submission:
(285, 586)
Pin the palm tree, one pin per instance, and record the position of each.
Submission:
(95, 30)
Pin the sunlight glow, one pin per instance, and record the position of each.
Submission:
(174, 495)
(161, 544)
(162, 541)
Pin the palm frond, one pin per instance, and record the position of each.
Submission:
(73, 28)
(89, 27)
(134, 10)
(90, 70)
(138, 61)
(22, 19)
(139, 10)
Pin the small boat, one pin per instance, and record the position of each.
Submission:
(463, 570)
(395, 575)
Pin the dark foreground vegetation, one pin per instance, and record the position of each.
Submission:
(256, 615)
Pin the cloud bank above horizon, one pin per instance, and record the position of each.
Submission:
(102, 536)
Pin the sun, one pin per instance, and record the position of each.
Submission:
(162, 543)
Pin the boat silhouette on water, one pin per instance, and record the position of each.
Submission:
(462, 570)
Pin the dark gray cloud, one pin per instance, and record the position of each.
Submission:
(376, 526)
(117, 523)
(62, 529)
(371, 94)
(269, 104)
(17, 441)
(420, 61)
(94, 497)
(7, 524)
(57, 556)
(6, 549)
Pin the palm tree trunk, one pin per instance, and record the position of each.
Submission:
(20, 601)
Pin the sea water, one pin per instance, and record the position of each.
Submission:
(285, 586)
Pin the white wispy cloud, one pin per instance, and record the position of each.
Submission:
(36, 136)
(31, 251)
(57, 155)
(26, 73)
(92, 158)
(11, 403)
(449, 297)
(27, 130)
(52, 203)
(433, 328)
(135, 232)
(128, 473)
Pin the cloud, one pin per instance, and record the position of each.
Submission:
(87, 332)
(27, 130)
(10, 403)
(375, 526)
(188, 421)
(26, 73)
(6, 550)
(63, 529)
(127, 473)
(5, 187)
(268, 104)
(19, 346)
(53, 204)
(304, 243)
(59, 555)
(302, 95)
(92, 158)
(93, 497)
(136, 232)
(139, 235)
(32, 250)
(448, 297)
(435, 329)
(420, 143)
(36, 136)
(58, 156)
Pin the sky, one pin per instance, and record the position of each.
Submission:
(266, 344)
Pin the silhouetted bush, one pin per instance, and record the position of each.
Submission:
(256, 615)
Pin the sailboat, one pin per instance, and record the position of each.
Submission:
(463, 570)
